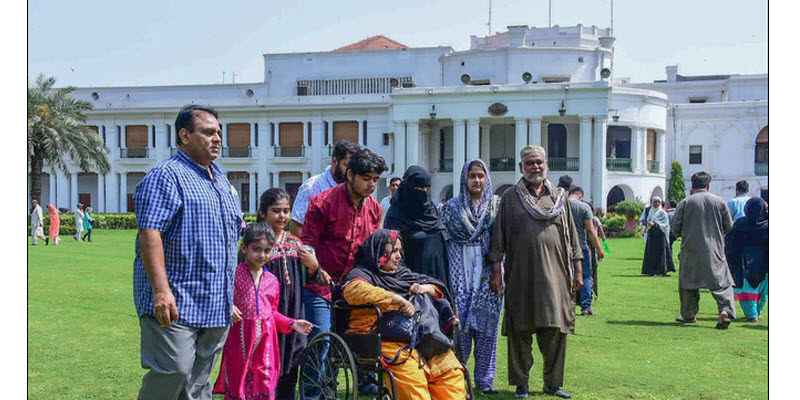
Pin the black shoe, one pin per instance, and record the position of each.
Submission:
(46, 241)
(556, 391)
(488, 391)
(522, 392)
(368, 389)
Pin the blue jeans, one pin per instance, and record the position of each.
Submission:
(585, 294)
(318, 312)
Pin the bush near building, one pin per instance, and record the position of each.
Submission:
(677, 189)
(632, 210)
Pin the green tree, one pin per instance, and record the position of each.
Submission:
(56, 128)
(677, 190)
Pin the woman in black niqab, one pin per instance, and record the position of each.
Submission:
(419, 222)
(747, 252)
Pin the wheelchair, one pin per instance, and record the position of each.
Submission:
(346, 357)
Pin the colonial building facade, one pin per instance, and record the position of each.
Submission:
(437, 107)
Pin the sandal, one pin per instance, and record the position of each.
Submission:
(682, 320)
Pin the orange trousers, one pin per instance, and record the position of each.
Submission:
(441, 378)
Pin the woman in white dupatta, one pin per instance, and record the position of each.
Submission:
(657, 257)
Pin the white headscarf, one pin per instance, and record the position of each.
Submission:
(659, 216)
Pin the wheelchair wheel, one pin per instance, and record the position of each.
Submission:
(330, 368)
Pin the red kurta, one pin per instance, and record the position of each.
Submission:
(251, 357)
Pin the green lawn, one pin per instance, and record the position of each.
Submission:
(83, 334)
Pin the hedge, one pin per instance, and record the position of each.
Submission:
(101, 221)
(614, 223)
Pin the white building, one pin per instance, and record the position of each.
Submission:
(437, 107)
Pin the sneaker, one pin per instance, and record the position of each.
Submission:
(588, 311)
(488, 391)
(556, 391)
(521, 392)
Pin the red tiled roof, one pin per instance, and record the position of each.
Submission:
(377, 42)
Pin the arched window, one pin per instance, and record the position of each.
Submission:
(762, 152)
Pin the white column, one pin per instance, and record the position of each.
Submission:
(458, 152)
(123, 192)
(252, 193)
(535, 131)
(473, 141)
(123, 135)
(585, 154)
(317, 130)
(599, 176)
(637, 155)
(112, 192)
(277, 139)
(412, 144)
(101, 193)
(276, 179)
(749, 160)
(486, 142)
(53, 192)
(305, 133)
(399, 147)
(661, 150)
(252, 137)
(224, 135)
(173, 136)
(73, 190)
(360, 132)
(520, 139)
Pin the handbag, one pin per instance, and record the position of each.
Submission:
(396, 327)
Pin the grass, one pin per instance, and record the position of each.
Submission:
(83, 334)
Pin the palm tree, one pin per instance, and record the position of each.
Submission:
(56, 128)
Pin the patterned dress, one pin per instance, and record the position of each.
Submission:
(251, 358)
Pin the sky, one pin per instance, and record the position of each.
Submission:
(147, 42)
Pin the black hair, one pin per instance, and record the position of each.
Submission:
(673, 204)
(478, 163)
(700, 180)
(343, 148)
(186, 116)
(742, 186)
(575, 189)
(394, 178)
(365, 161)
(257, 231)
(268, 198)
(565, 181)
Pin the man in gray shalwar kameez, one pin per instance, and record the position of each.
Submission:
(702, 220)
(535, 232)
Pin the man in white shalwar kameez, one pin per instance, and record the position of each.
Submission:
(37, 222)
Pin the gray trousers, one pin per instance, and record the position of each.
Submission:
(552, 345)
(690, 301)
(179, 359)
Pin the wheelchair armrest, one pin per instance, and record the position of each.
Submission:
(343, 305)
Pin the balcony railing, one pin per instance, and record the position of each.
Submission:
(446, 165)
(762, 168)
(501, 164)
(290, 151)
(618, 164)
(652, 166)
(563, 164)
(236, 151)
(133, 153)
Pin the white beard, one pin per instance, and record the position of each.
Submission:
(534, 179)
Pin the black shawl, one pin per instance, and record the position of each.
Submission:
(747, 244)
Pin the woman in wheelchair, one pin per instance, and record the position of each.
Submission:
(379, 278)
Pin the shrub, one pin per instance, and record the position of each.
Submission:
(249, 218)
(101, 221)
(634, 234)
(614, 223)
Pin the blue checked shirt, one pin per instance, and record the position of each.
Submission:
(311, 187)
(200, 221)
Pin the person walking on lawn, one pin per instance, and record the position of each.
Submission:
(702, 220)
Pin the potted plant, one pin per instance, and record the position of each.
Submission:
(632, 210)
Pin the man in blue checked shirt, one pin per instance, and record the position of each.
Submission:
(189, 225)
